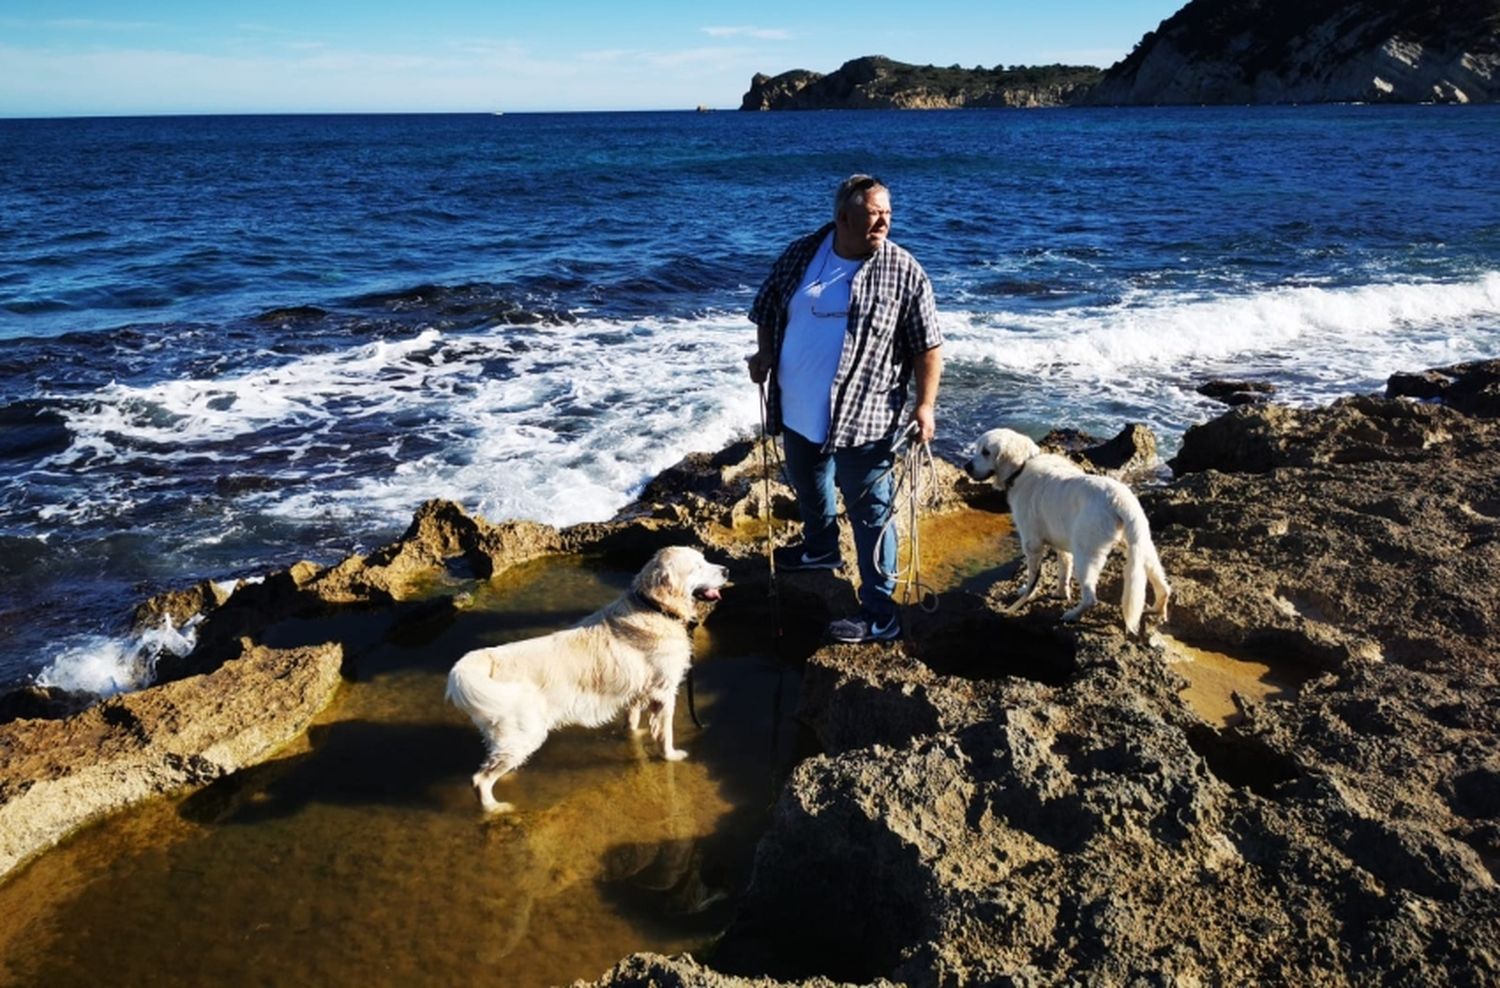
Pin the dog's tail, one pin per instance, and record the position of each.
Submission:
(472, 690)
(1141, 564)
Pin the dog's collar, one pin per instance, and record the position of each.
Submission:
(656, 606)
(1005, 486)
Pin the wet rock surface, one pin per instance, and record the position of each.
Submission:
(1007, 799)
(1473, 387)
(1012, 801)
(57, 775)
(1237, 392)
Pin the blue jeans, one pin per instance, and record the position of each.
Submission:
(863, 476)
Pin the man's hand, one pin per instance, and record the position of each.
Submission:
(926, 418)
(759, 365)
(929, 366)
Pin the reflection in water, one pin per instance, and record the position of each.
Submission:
(1214, 679)
(360, 855)
(964, 549)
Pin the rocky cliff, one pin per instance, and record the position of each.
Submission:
(1306, 51)
(878, 83)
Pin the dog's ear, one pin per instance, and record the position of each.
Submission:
(1015, 449)
(662, 579)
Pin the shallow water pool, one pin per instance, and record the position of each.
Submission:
(359, 855)
(1215, 680)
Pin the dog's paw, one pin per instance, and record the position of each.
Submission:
(674, 754)
(494, 806)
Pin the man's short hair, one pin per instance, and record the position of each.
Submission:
(854, 187)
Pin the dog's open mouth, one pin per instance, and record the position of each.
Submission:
(707, 593)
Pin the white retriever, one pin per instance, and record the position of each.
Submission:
(635, 652)
(1054, 503)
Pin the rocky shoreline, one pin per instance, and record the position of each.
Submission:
(1005, 800)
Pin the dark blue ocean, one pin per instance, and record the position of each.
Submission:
(229, 343)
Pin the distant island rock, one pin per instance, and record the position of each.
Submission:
(1314, 51)
(1209, 52)
(875, 82)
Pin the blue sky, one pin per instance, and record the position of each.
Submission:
(61, 58)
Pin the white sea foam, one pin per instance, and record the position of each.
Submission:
(564, 423)
(304, 392)
(1140, 359)
(1349, 324)
(106, 666)
(588, 413)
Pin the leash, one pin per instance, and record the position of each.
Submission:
(773, 590)
(692, 704)
(647, 602)
(915, 475)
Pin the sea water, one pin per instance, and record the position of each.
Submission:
(230, 343)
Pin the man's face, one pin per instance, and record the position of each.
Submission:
(862, 226)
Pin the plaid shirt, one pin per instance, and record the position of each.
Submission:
(892, 319)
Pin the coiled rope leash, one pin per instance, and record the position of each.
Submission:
(916, 474)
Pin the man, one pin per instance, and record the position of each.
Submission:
(844, 321)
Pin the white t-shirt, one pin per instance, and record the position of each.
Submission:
(817, 322)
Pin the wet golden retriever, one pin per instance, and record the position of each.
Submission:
(633, 653)
(1054, 503)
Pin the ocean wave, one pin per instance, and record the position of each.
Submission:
(554, 422)
(1164, 333)
(31, 428)
(105, 666)
(564, 422)
(585, 415)
(302, 392)
(463, 304)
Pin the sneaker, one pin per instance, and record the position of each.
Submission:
(863, 628)
(794, 558)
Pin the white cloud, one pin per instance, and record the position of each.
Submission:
(693, 56)
(89, 24)
(609, 56)
(760, 33)
(492, 49)
(480, 76)
(248, 28)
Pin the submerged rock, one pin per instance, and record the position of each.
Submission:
(1234, 393)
